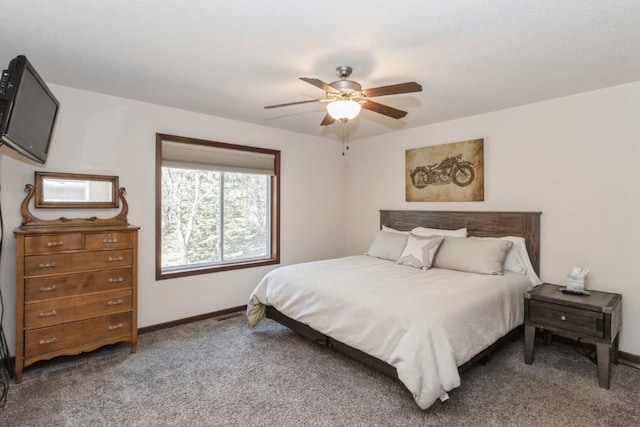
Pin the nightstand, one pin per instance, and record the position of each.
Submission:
(594, 319)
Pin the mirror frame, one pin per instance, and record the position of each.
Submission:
(39, 201)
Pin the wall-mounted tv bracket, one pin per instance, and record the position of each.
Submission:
(6, 89)
(6, 85)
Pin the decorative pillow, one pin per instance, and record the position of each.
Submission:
(422, 231)
(472, 255)
(393, 230)
(420, 251)
(517, 259)
(387, 245)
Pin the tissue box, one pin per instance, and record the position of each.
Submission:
(575, 284)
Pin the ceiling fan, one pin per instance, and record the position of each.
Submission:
(345, 97)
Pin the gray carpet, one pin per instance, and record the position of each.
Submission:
(220, 373)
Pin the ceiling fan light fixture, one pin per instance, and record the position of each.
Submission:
(343, 110)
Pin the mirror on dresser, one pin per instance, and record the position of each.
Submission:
(72, 190)
(54, 190)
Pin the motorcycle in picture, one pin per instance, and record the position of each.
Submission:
(451, 170)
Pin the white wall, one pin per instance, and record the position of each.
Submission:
(114, 136)
(576, 159)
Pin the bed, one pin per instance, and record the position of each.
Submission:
(422, 326)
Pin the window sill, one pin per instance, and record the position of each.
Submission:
(192, 271)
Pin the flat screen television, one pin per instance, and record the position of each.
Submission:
(28, 110)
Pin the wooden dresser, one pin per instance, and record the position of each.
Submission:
(76, 290)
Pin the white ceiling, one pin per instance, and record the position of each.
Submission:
(231, 58)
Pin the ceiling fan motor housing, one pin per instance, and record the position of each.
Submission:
(346, 86)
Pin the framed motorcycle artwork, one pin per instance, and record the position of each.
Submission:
(446, 173)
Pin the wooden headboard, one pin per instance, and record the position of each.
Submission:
(480, 224)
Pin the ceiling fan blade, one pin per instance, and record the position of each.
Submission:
(320, 84)
(392, 89)
(383, 109)
(328, 120)
(292, 103)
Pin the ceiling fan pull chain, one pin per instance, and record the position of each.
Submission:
(347, 125)
(345, 135)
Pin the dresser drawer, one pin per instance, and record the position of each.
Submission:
(112, 240)
(107, 329)
(572, 319)
(58, 286)
(53, 243)
(41, 265)
(52, 312)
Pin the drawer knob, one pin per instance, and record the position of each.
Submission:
(112, 327)
(47, 265)
(109, 240)
(113, 259)
(48, 289)
(116, 302)
(563, 317)
(49, 341)
(52, 244)
(118, 280)
(47, 314)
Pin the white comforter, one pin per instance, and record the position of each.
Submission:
(425, 323)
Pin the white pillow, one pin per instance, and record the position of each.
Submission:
(420, 251)
(514, 262)
(517, 259)
(481, 256)
(393, 230)
(387, 245)
(422, 231)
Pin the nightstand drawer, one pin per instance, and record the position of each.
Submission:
(568, 318)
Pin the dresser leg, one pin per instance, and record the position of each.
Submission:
(529, 337)
(614, 350)
(603, 350)
(18, 368)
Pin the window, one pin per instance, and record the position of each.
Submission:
(217, 206)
